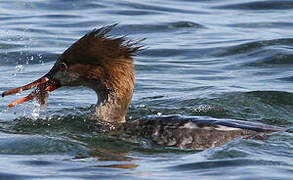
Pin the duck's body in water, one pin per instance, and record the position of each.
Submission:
(105, 65)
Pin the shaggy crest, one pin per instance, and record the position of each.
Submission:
(97, 46)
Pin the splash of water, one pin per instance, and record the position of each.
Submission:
(40, 104)
(36, 110)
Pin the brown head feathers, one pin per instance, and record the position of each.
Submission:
(96, 47)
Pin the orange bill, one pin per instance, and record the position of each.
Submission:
(22, 100)
(44, 85)
(26, 87)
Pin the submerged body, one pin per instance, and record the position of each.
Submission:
(105, 65)
(188, 132)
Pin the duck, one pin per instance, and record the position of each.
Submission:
(106, 64)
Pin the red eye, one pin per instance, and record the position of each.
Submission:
(62, 67)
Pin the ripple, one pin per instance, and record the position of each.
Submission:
(276, 97)
(15, 176)
(290, 79)
(38, 163)
(225, 163)
(252, 25)
(256, 45)
(55, 5)
(5, 46)
(152, 28)
(22, 144)
(74, 24)
(260, 5)
(275, 60)
(269, 107)
(157, 7)
(58, 16)
(132, 12)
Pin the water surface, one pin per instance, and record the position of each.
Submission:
(223, 59)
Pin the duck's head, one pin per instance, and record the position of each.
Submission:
(99, 62)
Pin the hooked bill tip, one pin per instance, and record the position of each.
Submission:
(11, 105)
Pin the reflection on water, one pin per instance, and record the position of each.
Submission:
(220, 59)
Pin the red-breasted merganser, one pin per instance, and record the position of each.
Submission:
(105, 64)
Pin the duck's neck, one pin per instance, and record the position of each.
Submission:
(114, 99)
(111, 109)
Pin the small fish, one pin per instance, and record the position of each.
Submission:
(40, 94)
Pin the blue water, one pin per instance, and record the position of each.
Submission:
(217, 58)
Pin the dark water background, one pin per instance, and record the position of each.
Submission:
(218, 58)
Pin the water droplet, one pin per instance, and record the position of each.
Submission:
(159, 113)
(19, 67)
(36, 111)
(35, 114)
(141, 106)
(19, 92)
(203, 108)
